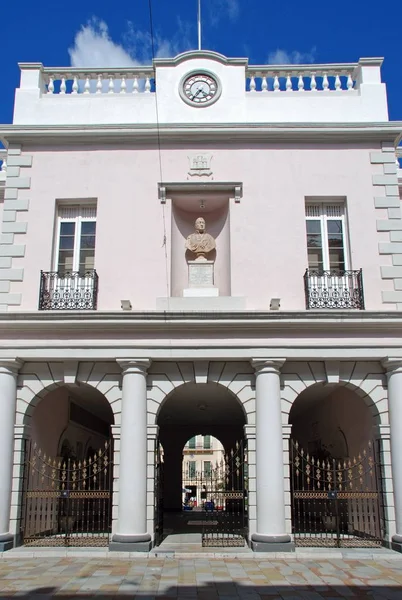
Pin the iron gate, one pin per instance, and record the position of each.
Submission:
(66, 502)
(336, 503)
(226, 516)
(158, 494)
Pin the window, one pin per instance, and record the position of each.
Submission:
(207, 442)
(191, 443)
(326, 237)
(207, 468)
(75, 239)
(191, 468)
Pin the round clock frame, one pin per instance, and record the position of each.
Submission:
(200, 88)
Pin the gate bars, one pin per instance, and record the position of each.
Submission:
(336, 502)
(66, 502)
(226, 514)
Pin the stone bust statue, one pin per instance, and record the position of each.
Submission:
(200, 242)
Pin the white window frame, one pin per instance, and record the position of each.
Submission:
(323, 214)
(78, 214)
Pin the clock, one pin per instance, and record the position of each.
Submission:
(200, 88)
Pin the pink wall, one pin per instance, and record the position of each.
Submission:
(266, 229)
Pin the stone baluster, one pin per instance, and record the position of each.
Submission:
(313, 83)
(135, 85)
(50, 85)
(4, 163)
(264, 83)
(276, 84)
(111, 85)
(147, 85)
(252, 84)
(99, 85)
(300, 83)
(338, 84)
(123, 85)
(87, 86)
(325, 83)
(349, 83)
(289, 87)
(75, 85)
(63, 86)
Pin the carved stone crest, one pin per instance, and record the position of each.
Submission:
(200, 165)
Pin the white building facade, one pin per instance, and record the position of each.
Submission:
(284, 340)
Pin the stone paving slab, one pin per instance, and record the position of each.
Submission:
(201, 578)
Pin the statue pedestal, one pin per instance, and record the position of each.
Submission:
(200, 279)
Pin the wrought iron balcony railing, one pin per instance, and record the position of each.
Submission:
(334, 289)
(70, 290)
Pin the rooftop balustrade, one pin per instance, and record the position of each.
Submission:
(97, 81)
(109, 96)
(263, 78)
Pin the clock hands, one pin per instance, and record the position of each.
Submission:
(200, 89)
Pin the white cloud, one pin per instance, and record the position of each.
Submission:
(93, 46)
(221, 9)
(283, 57)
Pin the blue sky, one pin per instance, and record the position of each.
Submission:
(117, 33)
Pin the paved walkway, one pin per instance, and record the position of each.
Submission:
(83, 576)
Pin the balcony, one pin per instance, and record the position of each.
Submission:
(68, 291)
(333, 289)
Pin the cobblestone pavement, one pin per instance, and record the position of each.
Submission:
(203, 578)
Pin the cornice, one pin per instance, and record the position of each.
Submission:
(104, 321)
(324, 132)
(200, 54)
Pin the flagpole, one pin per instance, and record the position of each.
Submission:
(199, 24)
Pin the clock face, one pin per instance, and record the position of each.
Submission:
(200, 89)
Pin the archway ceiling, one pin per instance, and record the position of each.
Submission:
(203, 404)
(312, 396)
(93, 401)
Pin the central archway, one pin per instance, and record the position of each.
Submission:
(191, 410)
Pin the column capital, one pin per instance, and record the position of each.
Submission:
(10, 366)
(392, 365)
(134, 365)
(267, 365)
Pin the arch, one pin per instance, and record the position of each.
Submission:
(36, 380)
(236, 377)
(367, 379)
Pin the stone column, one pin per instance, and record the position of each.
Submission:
(131, 529)
(271, 533)
(394, 375)
(8, 400)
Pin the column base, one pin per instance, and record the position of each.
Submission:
(396, 543)
(130, 543)
(8, 545)
(271, 543)
(6, 542)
